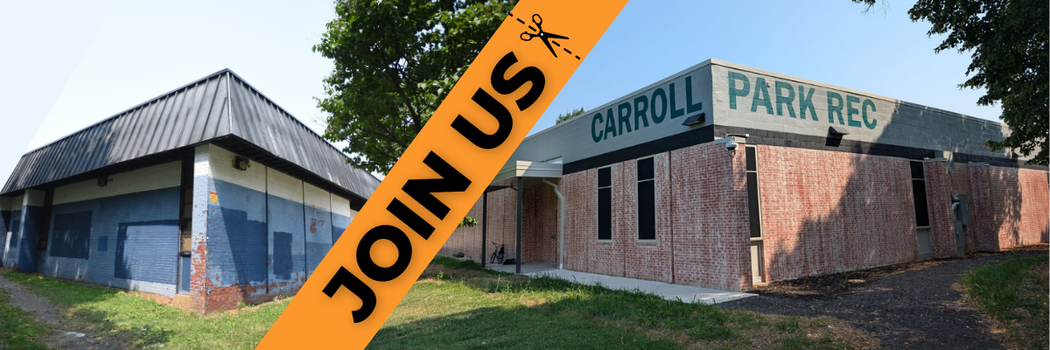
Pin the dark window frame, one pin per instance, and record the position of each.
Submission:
(606, 236)
(754, 194)
(641, 183)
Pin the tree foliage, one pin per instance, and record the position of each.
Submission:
(395, 60)
(568, 115)
(1008, 40)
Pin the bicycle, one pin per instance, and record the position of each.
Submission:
(497, 255)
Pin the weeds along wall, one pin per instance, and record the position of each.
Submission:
(257, 233)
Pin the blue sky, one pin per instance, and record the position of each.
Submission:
(68, 65)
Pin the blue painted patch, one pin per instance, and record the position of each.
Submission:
(241, 252)
(236, 244)
(71, 236)
(287, 217)
(30, 231)
(339, 224)
(146, 251)
(108, 215)
(282, 255)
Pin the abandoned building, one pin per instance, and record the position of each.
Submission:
(724, 176)
(208, 195)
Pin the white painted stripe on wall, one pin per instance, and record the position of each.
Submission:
(200, 160)
(146, 179)
(317, 198)
(341, 206)
(5, 203)
(33, 198)
(222, 169)
(285, 186)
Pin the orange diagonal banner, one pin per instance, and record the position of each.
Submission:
(441, 174)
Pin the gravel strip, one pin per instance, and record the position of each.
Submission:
(915, 305)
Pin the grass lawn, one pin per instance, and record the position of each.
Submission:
(458, 305)
(1014, 293)
(18, 330)
(142, 323)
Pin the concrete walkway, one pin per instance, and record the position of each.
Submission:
(689, 294)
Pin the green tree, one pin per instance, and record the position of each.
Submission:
(395, 60)
(1008, 40)
(568, 115)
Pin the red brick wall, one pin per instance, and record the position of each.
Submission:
(981, 224)
(583, 251)
(539, 224)
(942, 220)
(650, 259)
(501, 226)
(824, 212)
(1019, 202)
(710, 218)
(1013, 206)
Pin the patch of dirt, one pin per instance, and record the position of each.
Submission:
(63, 337)
(913, 305)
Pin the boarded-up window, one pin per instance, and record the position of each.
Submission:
(72, 235)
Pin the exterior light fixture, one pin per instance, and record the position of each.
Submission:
(103, 181)
(835, 134)
(840, 131)
(241, 163)
(696, 119)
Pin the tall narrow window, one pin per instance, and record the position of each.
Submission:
(646, 200)
(755, 217)
(605, 204)
(918, 187)
(922, 210)
(754, 212)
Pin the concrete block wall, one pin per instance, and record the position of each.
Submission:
(5, 222)
(123, 235)
(341, 216)
(257, 232)
(14, 222)
(236, 232)
(29, 231)
(1009, 206)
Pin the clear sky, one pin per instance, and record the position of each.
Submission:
(67, 65)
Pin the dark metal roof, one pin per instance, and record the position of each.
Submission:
(220, 108)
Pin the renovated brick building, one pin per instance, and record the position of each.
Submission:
(723, 176)
(206, 196)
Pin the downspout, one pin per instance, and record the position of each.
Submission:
(561, 224)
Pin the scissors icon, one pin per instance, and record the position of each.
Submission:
(546, 37)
